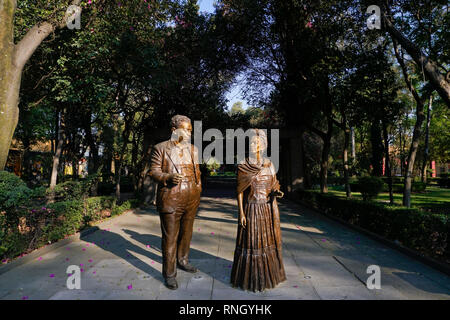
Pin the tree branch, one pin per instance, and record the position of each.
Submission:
(31, 41)
(430, 68)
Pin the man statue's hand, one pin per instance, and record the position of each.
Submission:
(175, 178)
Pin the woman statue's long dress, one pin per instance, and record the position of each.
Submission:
(258, 263)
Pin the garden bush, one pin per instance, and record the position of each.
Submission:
(399, 187)
(66, 219)
(70, 190)
(444, 181)
(370, 187)
(13, 191)
(36, 226)
(422, 231)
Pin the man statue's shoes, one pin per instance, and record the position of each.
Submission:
(171, 283)
(188, 268)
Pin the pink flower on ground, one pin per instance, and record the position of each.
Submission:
(52, 275)
(130, 287)
(40, 258)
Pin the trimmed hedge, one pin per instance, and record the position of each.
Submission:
(32, 228)
(421, 231)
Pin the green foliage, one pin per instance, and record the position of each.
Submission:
(129, 204)
(212, 164)
(13, 191)
(71, 190)
(36, 226)
(425, 232)
(95, 208)
(369, 187)
(67, 218)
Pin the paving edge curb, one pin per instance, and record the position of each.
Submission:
(407, 251)
(47, 248)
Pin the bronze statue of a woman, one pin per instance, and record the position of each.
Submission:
(258, 263)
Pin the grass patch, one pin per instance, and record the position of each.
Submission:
(433, 199)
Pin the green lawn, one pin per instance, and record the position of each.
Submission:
(434, 199)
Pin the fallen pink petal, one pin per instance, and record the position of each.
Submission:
(52, 275)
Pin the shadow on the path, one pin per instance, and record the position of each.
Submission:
(319, 228)
(304, 243)
(126, 250)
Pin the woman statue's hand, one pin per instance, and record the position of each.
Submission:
(278, 193)
(242, 220)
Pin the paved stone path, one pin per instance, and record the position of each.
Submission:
(122, 260)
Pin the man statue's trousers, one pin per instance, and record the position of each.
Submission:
(176, 228)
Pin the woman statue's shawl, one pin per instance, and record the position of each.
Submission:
(247, 172)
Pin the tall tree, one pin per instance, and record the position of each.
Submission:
(14, 56)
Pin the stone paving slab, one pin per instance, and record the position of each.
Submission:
(122, 260)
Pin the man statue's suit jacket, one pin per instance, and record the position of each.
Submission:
(162, 165)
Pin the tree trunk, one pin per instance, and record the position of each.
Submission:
(10, 75)
(74, 168)
(325, 153)
(307, 175)
(57, 158)
(377, 148)
(352, 131)
(387, 170)
(427, 137)
(348, 192)
(119, 163)
(412, 155)
(417, 128)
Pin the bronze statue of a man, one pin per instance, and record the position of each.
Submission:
(174, 165)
